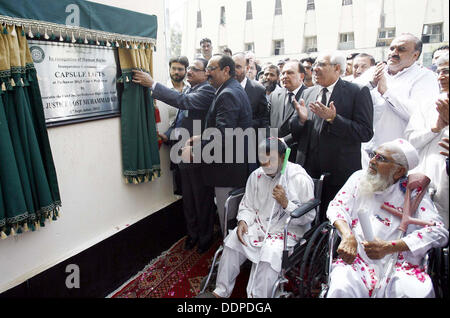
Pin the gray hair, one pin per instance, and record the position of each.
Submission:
(397, 153)
(443, 59)
(337, 58)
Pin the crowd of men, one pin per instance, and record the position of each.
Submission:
(368, 125)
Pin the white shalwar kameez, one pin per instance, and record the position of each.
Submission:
(255, 209)
(407, 90)
(409, 279)
(432, 163)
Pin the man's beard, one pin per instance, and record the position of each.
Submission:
(270, 86)
(176, 78)
(371, 183)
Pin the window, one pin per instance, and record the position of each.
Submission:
(346, 41)
(347, 2)
(432, 33)
(249, 47)
(310, 5)
(199, 19)
(278, 47)
(278, 10)
(385, 36)
(222, 15)
(310, 44)
(249, 14)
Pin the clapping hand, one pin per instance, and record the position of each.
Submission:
(301, 109)
(442, 109)
(324, 112)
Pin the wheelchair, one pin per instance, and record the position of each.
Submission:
(303, 266)
(435, 264)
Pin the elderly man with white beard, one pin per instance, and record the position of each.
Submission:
(361, 264)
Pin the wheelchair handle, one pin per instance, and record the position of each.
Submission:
(305, 208)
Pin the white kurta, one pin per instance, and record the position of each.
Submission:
(432, 163)
(256, 207)
(360, 278)
(407, 91)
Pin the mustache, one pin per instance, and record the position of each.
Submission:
(394, 57)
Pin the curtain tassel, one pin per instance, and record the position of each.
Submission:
(13, 233)
(3, 86)
(127, 79)
(3, 235)
(13, 32)
(13, 84)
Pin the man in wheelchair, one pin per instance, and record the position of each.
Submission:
(360, 270)
(269, 199)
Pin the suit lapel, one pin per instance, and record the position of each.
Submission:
(338, 93)
(289, 110)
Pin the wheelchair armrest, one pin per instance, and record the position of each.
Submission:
(235, 192)
(305, 208)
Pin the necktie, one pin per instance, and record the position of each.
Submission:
(324, 96)
(290, 96)
(289, 104)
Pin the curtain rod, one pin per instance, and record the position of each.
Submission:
(29, 26)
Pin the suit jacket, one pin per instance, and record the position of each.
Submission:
(230, 109)
(196, 101)
(257, 95)
(335, 147)
(278, 107)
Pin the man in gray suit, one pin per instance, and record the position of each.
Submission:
(281, 106)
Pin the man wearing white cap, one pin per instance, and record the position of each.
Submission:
(361, 264)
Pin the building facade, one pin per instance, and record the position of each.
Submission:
(276, 29)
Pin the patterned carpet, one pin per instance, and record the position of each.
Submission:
(175, 274)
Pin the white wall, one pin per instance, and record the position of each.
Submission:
(96, 203)
(327, 20)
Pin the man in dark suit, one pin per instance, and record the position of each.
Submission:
(257, 95)
(255, 91)
(193, 105)
(332, 119)
(281, 102)
(230, 109)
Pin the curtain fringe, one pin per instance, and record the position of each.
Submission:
(142, 178)
(30, 224)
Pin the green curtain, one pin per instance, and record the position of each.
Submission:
(28, 184)
(140, 153)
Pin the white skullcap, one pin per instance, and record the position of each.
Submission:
(408, 150)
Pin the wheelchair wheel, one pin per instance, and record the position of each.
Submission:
(312, 269)
(210, 286)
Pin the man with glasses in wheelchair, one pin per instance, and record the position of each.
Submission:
(269, 199)
(360, 271)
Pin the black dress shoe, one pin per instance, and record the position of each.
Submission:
(202, 248)
(190, 243)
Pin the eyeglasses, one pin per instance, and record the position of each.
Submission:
(194, 69)
(380, 158)
(211, 68)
